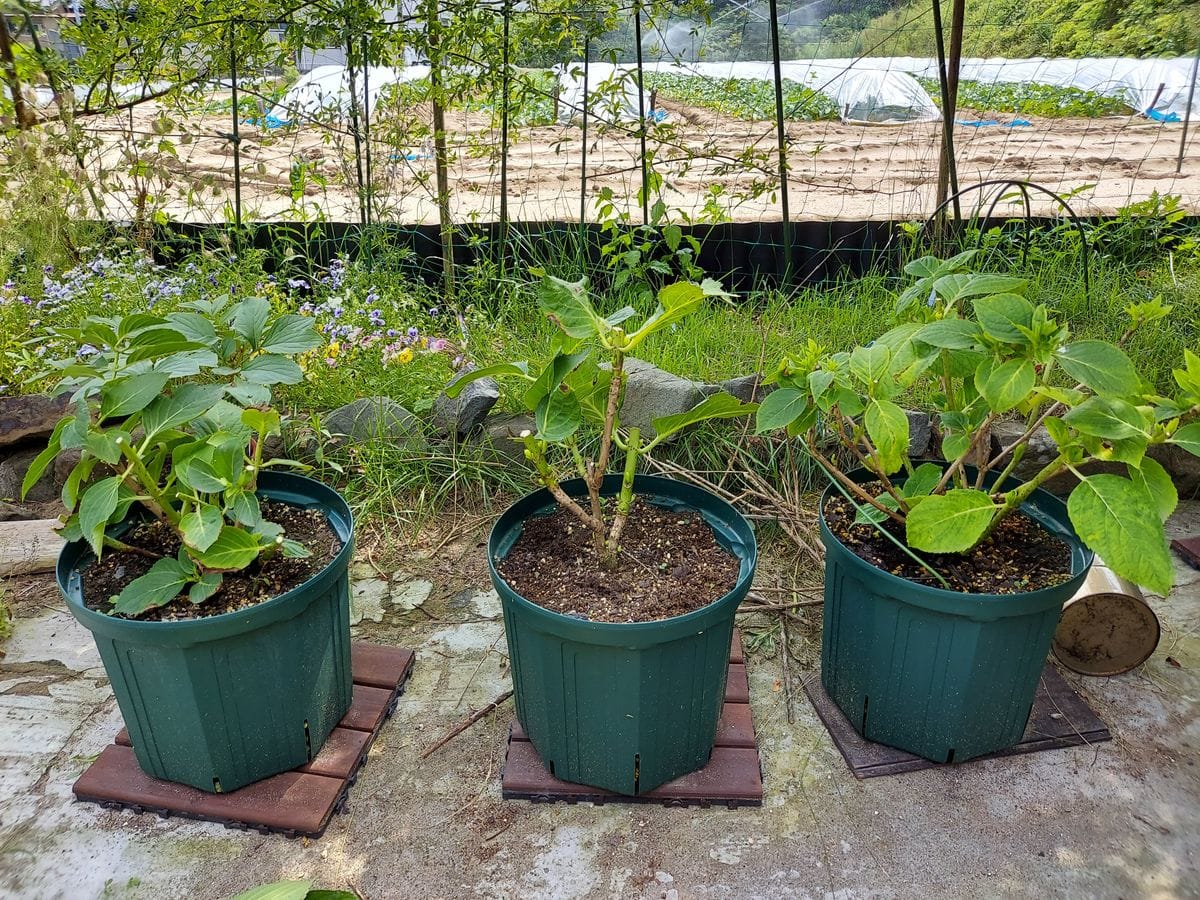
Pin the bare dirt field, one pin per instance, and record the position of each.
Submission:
(837, 171)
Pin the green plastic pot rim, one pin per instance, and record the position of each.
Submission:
(934, 596)
(644, 487)
(75, 555)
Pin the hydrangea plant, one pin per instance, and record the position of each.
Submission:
(980, 350)
(173, 412)
(572, 391)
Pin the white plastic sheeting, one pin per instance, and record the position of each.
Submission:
(884, 90)
(863, 94)
(612, 93)
(875, 90)
(327, 88)
(1160, 85)
(875, 96)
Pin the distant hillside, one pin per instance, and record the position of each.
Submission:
(1023, 28)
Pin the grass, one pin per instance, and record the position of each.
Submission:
(406, 488)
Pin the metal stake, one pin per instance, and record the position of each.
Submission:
(1187, 114)
(505, 79)
(781, 140)
(237, 133)
(637, 37)
(587, 52)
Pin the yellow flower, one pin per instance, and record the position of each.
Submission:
(333, 349)
(405, 355)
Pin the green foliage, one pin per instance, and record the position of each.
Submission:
(1028, 99)
(173, 412)
(571, 390)
(1017, 29)
(987, 351)
(744, 98)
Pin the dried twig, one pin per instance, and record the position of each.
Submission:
(787, 672)
(464, 725)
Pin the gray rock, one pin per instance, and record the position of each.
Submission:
(1183, 468)
(920, 431)
(30, 417)
(747, 388)
(497, 437)
(376, 418)
(466, 412)
(12, 474)
(1040, 450)
(651, 393)
(11, 512)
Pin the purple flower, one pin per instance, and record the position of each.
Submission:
(434, 312)
(86, 350)
(297, 284)
(412, 333)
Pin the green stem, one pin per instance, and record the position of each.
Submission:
(148, 484)
(624, 499)
(580, 465)
(1018, 495)
(114, 544)
(536, 454)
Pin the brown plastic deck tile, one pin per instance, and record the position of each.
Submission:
(376, 666)
(735, 648)
(1188, 549)
(732, 777)
(737, 685)
(736, 726)
(1060, 718)
(368, 709)
(294, 803)
(341, 755)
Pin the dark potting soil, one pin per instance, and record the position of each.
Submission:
(261, 581)
(670, 564)
(1019, 557)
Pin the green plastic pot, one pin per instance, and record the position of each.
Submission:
(220, 702)
(625, 707)
(942, 674)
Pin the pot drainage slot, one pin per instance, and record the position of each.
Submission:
(307, 741)
(950, 755)
(637, 773)
(550, 763)
(863, 727)
(216, 785)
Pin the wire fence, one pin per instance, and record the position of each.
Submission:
(750, 118)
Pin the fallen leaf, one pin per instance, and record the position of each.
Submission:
(1173, 663)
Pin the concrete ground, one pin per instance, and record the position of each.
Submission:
(1119, 819)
